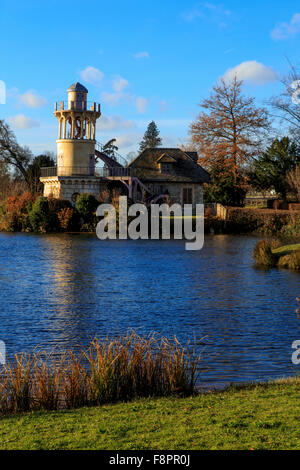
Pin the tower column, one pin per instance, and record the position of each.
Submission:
(65, 128)
(81, 127)
(94, 130)
(59, 129)
(73, 128)
(89, 129)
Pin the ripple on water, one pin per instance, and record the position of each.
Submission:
(61, 290)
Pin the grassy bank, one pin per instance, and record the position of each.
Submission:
(257, 417)
(286, 249)
(271, 253)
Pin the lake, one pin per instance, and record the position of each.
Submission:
(59, 291)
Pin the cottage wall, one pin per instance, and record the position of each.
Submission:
(175, 192)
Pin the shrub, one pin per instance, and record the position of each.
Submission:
(14, 212)
(86, 205)
(213, 224)
(48, 214)
(209, 212)
(68, 217)
(65, 217)
(284, 261)
(290, 261)
(295, 261)
(263, 253)
(241, 220)
(27, 213)
(39, 216)
(292, 227)
(55, 205)
(104, 196)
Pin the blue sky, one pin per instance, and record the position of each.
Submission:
(142, 61)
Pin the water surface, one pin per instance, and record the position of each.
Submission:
(62, 290)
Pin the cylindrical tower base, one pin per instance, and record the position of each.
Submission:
(75, 157)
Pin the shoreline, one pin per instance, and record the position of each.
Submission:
(254, 417)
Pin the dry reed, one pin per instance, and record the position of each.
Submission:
(107, 371)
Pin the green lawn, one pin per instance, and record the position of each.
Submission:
(285, 250)
(258, 417)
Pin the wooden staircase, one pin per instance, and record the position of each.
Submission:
(133, 184)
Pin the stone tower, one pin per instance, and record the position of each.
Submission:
(75, 170)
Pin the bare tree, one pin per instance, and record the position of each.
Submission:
(11, 153)
(230, 130)
(286, 106)
(293, 178)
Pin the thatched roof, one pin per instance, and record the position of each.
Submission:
(185, 168)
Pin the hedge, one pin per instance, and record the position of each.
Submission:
(267, 221)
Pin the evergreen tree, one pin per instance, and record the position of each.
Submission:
(33, 172)
(110, 148)
(151, 137)
(225, 188)
(271, 169)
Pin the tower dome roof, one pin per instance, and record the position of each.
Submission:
(77, 87)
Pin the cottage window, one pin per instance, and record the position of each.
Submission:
(166, 167)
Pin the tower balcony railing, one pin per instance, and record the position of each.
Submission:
(77, 106)
(103, 172)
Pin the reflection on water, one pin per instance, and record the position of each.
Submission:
(62, 290)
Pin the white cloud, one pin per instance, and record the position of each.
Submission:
(23, 122)
(92, 75)
(142, 123)
(111, 123)
(12, 92)
(113, 99)
(192, 14)
(252, 72)
(32, 100)
(141, 55)
(287, 30)
(171, 141)
(163, 106)
(208, 11)
(141, 104)
(2, 92)
(126, 140)
(228, 51)
(119, 84)
(174, 122)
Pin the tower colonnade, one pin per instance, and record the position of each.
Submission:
(76, 133)
(74, 126)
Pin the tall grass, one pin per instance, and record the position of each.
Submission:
(263, 253)
(290, 261)
(107, 371)
(266, 254)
